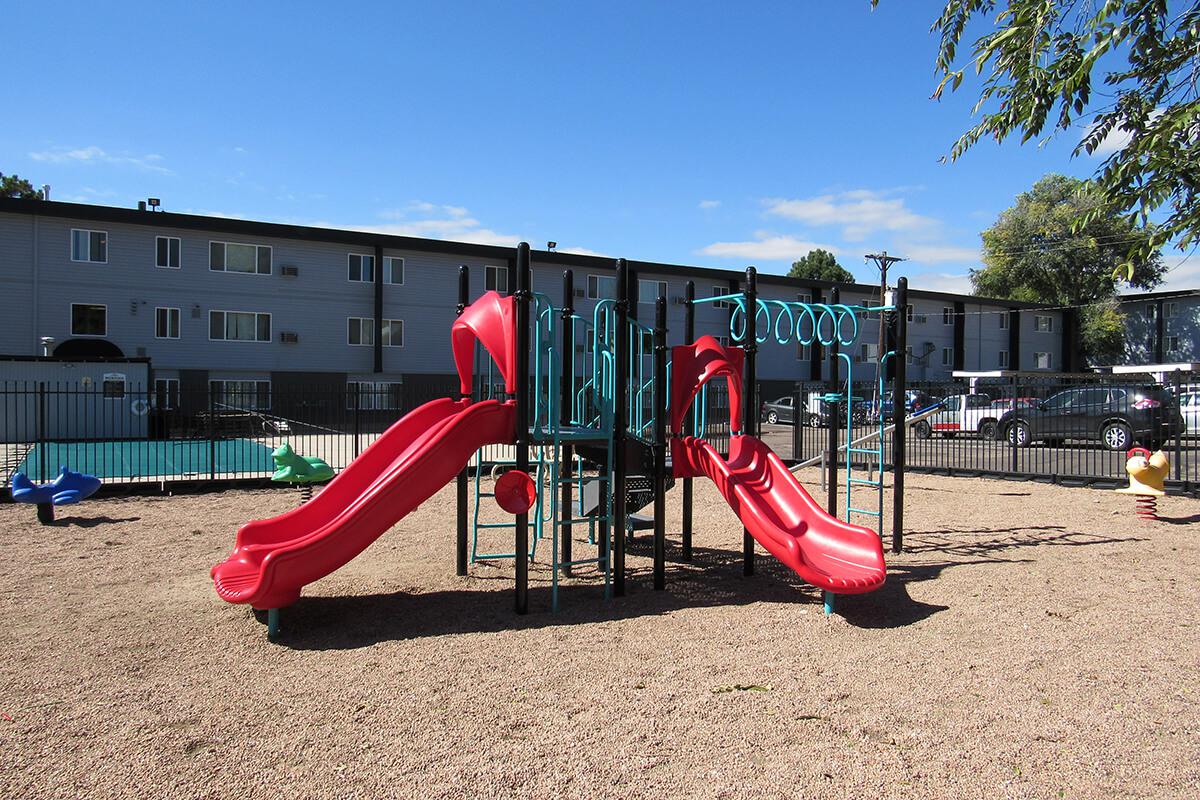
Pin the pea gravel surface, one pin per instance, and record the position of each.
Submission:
(1033, 641)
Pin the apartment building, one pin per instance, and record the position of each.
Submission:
(1162, 327)
(242, 306)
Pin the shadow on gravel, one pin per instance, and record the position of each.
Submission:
(90, 522)
(1194, 518)
(485, 603)
(713, 578)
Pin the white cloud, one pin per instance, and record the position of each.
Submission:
(435, 221)
(939, 253)
(942, 282)
(765, 247)
(859, 213)
(709, 204)
(582, 251)
(1117, 139)
(1182, 274)
(152, 162)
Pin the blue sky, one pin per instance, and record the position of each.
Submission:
(682, 132)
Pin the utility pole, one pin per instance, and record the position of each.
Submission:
(883, 261)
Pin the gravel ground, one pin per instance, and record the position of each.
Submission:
(1035, 641)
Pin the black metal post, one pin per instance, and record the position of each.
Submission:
(212, 432)
(460, 541)
(521, 537)
(357, 415)
(567, 454)
(689, 337)
(797, 421)
(43, 456)
(660, 443)
(621, 390)
(750, 393)
(834, 415)
(1012, 423)
(899, 414)
(1177, 379)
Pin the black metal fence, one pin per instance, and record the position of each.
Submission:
(1063, 428)
(129, 434)
(1076, 428)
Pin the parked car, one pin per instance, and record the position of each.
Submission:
(778, 410)
(1116, 416)
(1189, 407)
(961, 413)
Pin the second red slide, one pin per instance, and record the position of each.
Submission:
(781, 516)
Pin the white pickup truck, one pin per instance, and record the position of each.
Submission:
(962, 413)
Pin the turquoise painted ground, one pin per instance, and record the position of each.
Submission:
(148, 458)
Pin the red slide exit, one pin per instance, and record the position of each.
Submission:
(274, 558)
(826, 552)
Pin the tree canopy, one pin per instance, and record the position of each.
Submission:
(820, 265)
(1125, 69)
(16, 186)
(1035, 252)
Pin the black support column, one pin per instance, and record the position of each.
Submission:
(899, 413)
(464, 293)
(960, 334)
(660, 443)
(621, 394)
(521, 536)
(750, 393)
(689, 337)
(378, 315)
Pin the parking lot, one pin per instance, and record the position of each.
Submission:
(970, 453)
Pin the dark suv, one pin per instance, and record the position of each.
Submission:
(1116, 416)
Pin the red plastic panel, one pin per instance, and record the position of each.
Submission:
(492, 320)
(273, 559)
(693, 365)
(515, 492)
(781, 516)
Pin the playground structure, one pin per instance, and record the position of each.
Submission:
(585, 405)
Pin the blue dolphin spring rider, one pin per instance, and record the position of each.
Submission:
(69, 487)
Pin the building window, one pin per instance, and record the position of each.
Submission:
(947, 315)
(908, 313)
(867, 353)
(804, 298)
(1043, 323)
(1003, 320)
(113, 386)
(649, 291)
(166, 323)
(718, 291)
(723, 341)
(392, 331)
(360, 331)
(373, 395)
(239, 326)
(166, 393)
(253, 259)
(89, 246)
(908, 354)
(166, 252)
(1152, 312)
(360, 269)
(1170, 309)
(1002, 356)
(88, 319)
(803, 352)
(1172, 344)
(495, 279)
(241, 395)
(601, 287)
(947, 356)
(1042, 361)
(393, 271)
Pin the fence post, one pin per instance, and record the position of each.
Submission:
(1177, 379)
(1012, 432)
(41, 431)
(357, 415)
(797, 422)
(212, 433)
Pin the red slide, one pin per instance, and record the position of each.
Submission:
(826, 552)
(274, 558)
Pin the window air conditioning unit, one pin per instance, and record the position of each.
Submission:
(289, 337)
(289, 270)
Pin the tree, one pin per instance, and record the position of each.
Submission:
(1036, 253)
(1102, 333)
(18, 187)
(820, 265)
(1039, 64)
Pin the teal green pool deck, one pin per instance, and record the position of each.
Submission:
(150, 458)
